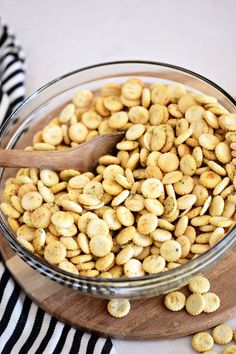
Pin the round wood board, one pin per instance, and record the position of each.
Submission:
(148, 318)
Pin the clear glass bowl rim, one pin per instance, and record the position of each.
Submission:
(197, 263)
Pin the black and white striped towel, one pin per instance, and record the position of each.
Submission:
(24, 327)
(12, 71)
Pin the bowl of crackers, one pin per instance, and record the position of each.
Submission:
(155, 213)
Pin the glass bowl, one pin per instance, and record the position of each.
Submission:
(36, 110)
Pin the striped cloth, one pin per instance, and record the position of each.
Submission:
(24, 327)
(12, 71)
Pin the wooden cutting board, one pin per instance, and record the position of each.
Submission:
(148, 318)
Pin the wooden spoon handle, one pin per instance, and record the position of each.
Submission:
(84, 157)
(24, 158)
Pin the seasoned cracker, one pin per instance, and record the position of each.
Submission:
(154, 264)
(151, 188)
(133, 268)
(175, 301)
(168, 162)
(222, 334)
(185, 245)
(118, 307)
(103, 264)
(55, 252)
(124, 255)
(195, 304)
(97, 227)
(147, 223)
(100, 245)
(141, 240)
(202, 342)
(171, 250)
(212, 302)
(199, 285)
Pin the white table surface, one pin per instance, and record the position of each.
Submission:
(63, 35)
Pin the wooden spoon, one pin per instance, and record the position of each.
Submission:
(83, 158)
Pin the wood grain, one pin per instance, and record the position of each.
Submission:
(148, 318)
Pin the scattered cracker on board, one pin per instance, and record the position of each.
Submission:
(199, 285)
(118, 307)
(175, 301)
(194, 304)
(211, 302)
